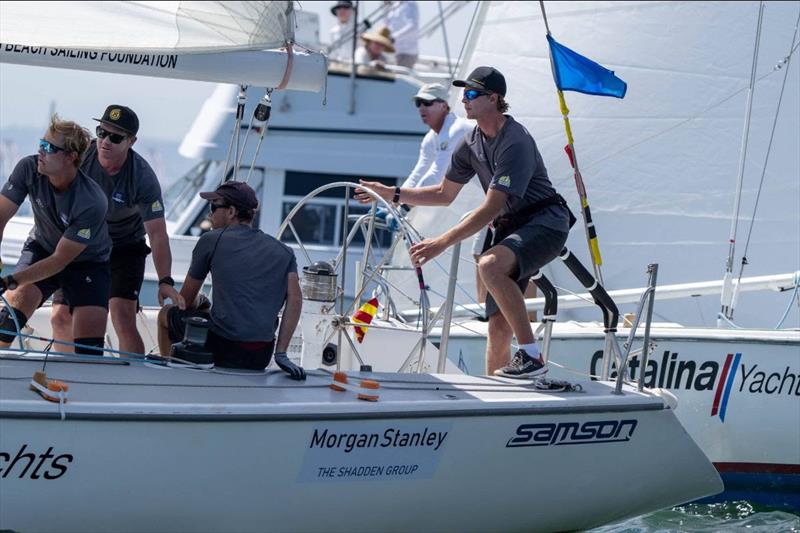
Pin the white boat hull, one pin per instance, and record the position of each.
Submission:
(737, 391)
(174, 450)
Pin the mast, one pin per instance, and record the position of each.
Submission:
(727, 300)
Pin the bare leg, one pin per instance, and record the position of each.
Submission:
(479, 286)
(61, 324)
(496, 266)
(164, 343)
(123, 316)
(498, 343)
(531, 292)
(89, 321)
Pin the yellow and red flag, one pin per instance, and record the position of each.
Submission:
(364, 315)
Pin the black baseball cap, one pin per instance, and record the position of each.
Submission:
(236, 193)
(122, 117)
(484, 79)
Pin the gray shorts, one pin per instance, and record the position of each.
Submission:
(534, 246)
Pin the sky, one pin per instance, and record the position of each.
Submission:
(166, 108)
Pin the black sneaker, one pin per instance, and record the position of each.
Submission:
(522, 366)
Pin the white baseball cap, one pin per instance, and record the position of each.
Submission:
(430, 92)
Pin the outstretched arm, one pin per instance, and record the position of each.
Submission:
(441, 194)
(66, 251)
(426, 250)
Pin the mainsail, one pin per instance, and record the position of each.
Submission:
(660, 166)
(229, 42)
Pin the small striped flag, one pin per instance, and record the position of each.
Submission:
(364, 315)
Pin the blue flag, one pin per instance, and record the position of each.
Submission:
(573, 72)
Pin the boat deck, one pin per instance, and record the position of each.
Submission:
(115, 387)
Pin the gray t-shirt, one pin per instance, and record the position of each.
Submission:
(78, 214)
(249, 270)
(511, 163)
(134, 195)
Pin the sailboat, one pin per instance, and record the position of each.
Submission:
(661, 170)
(120, 444)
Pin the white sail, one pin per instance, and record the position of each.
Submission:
(660, 166)
(170, 26)
(227, 42)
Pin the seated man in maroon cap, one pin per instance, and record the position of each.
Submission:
(254, 275)
(135, 208)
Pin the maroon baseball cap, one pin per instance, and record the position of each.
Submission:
(236, 193)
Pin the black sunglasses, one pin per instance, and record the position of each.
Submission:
(49, 148)
(115, 138)
(427, 103)
(214, 206)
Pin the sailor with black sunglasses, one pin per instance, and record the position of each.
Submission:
(69, 247)
(135, 209)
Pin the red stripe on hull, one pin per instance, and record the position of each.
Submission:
(764, 468)
(723, 378)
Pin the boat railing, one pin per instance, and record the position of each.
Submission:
(647, 299)
(371, 273)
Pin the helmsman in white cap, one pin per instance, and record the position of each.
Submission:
(446, 131)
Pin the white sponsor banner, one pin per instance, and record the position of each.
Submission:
(370, 451)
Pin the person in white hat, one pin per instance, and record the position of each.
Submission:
(377, 44)
(446, 131)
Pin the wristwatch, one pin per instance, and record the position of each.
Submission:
(396, 199)
(167, 280)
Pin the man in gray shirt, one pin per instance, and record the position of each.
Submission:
(68, 247)
(253, 274)
(135, 208)
(531, 221)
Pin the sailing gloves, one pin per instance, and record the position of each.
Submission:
(295, 372)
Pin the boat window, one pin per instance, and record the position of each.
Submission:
(320, 220)
(201, 224)
(314, 223)
(180, 194)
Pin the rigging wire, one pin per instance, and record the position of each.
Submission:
(784, 62)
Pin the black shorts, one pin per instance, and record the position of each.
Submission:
(534, 246)
(227, 353)
(127, 272)
(85, 283)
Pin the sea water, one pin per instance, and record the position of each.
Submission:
(715, 517)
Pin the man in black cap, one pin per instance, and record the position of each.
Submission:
(253, 274)
(531, 221)
(343, 11)
(135, 208)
